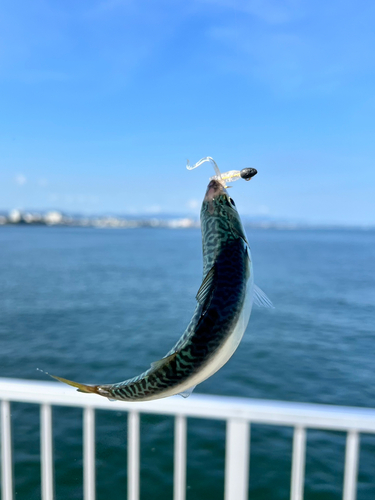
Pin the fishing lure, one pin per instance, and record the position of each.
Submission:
(224, 303)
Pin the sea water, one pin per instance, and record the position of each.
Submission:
(99, 306)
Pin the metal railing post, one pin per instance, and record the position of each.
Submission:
(133, 455)
(298, 464)
(46, 452)
(89, 453)
(351, 466)
(237, 456)
(6, 453)
(179, 477)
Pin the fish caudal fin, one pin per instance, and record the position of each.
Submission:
(80, 387)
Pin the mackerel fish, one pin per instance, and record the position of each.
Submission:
(224, 303)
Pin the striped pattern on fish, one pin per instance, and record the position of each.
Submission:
(224, 303)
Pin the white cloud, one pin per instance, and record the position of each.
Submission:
(193, 204)
(20, 179)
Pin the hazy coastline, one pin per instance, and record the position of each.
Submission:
(171, 221)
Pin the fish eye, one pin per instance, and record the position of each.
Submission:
(230, 199)
(224, 200)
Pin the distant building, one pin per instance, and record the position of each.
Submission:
(15, 216)
(32, 218)
(181, 223)
(53, 217)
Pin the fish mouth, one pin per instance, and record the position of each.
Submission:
(214, 189)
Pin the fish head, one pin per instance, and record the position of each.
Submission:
(217, 200)
(215, 189)
(219, 205)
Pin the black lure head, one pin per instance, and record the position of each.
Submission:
(248, 173)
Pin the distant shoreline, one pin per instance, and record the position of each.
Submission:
(176, 224)
(56, 218)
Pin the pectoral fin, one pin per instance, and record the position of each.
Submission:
(261, 299)
(206, 286)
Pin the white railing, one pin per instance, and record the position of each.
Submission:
(238, 413)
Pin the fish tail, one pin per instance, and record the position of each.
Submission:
(80, 387)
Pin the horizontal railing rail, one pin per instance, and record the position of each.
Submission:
(238, 413)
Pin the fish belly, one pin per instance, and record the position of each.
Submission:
(231, 343)
(223, 354)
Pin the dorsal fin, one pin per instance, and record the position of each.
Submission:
(206, 286)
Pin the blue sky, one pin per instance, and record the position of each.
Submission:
(102, 102)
